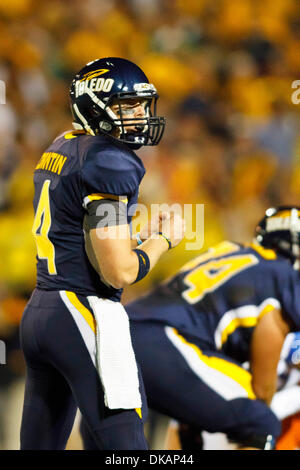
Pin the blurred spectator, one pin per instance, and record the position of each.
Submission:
(224, 71)
(278, 134)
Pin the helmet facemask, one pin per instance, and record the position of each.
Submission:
(146, 130)
(295, 233)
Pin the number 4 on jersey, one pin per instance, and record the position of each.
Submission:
(41, 227)
(212, 273)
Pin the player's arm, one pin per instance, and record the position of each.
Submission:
(266, 344)
(118, 263)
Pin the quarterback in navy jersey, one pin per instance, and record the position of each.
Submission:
(74, 332)
(191, 335)
(93, 168)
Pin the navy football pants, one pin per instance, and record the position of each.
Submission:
(199, 386)
(202, 388)
(61, 376)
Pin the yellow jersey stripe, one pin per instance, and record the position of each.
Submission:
(73, 134)
(246, 322)
(235, 372)
(139, 412)
(89, 318)
(268, 308)
(264, 252)
(70, 135)
(99, 196)
(246, 316)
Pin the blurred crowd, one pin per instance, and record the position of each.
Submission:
(224, 71)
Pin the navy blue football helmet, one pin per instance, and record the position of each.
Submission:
(104, 83)
(280, 231)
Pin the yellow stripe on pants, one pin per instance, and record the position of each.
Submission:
(89, 318)
(235, 372)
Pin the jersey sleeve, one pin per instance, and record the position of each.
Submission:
(289, 287)
(108, 174)
(105, 213)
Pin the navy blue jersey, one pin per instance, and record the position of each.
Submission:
(78, 168)
(219, 297)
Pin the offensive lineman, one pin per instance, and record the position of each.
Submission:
(74, 332)
(233, 304)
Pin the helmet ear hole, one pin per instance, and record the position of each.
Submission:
(96, 112)
(105, 126)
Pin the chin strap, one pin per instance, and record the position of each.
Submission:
(85, 124)
(134, 138)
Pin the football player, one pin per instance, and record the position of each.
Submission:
(233, 304)
(285, 404)
(75, 333)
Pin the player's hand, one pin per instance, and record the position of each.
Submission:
(173, 228)
(154, 225)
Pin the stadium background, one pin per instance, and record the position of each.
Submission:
(224, 71)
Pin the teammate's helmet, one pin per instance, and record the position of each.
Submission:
(280, 231)
(105, 82)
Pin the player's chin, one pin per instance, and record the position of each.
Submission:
(130, 129)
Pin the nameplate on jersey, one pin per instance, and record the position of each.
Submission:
(52, 161)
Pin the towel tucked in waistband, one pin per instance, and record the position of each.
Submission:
(115, 356)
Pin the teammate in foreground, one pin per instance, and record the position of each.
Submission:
(192, 334)
(74, 332)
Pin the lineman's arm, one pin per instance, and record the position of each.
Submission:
(267, 341)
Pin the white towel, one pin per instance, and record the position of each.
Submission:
(286, 402)
(115, 356)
